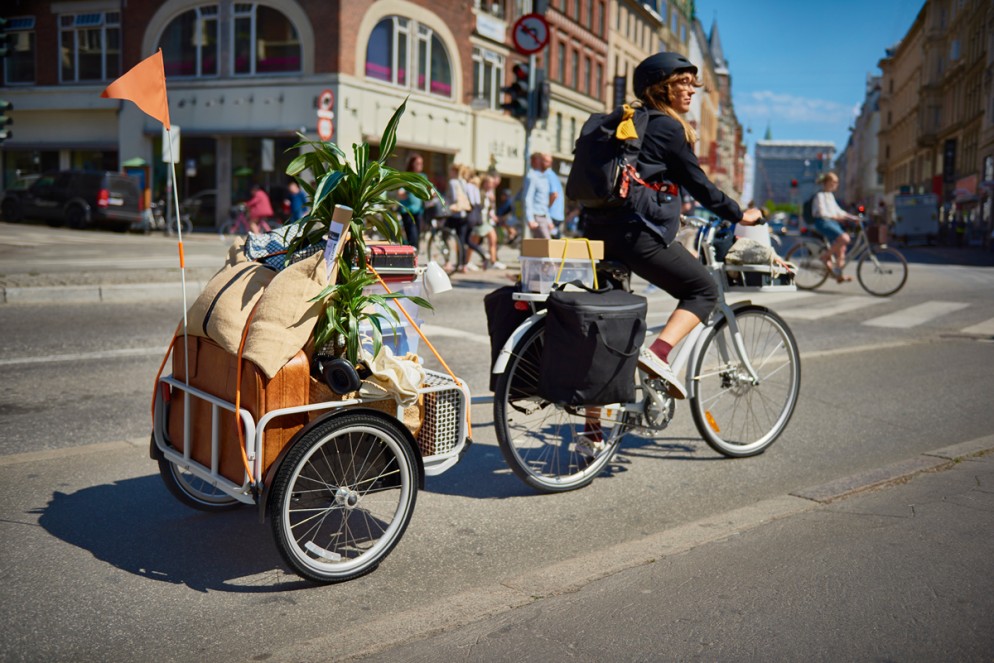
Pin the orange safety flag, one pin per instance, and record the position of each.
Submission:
(144, 84)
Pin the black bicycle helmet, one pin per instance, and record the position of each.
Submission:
(659, 67)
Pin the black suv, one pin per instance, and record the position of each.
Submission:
(78, 198)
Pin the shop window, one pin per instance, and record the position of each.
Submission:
(89, 47)
(19, 65)
(488, 76)
(190, 43)
(397, 42)
(265, 41)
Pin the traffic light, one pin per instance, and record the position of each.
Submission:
(5, 120)
(542, 93)
(517, 106)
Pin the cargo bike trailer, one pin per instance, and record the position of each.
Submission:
(340, 494)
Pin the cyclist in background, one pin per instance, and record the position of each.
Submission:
(827, 215)
(259, 208)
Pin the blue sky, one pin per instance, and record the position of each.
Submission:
(800, 66)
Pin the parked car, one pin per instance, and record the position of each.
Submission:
(80, 199)
(202, 207)
(10, 205)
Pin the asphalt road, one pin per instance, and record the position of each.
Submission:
(101, 563)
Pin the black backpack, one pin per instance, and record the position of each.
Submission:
(604, 166)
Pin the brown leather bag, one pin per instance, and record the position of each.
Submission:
(214, 370)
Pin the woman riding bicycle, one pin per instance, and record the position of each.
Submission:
(827, 215)
(641, 233)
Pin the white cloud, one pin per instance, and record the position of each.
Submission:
(775, 107)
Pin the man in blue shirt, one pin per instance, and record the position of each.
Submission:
(557, 200)
(536, 199)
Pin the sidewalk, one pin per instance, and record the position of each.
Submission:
(92, 267)
(893, 574)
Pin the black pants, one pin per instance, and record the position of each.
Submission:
(464, 229)
(412, 227)
(672, 268)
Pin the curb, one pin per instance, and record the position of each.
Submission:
(94, 294)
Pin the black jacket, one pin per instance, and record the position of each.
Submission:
(666, 156)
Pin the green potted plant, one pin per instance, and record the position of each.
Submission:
(329, 179)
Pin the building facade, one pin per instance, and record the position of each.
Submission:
(936, 114)
(246, 79)
(786, 170)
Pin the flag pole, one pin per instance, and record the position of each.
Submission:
(182, 258)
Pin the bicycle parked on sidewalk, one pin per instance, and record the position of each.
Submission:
(154, 218)
(743, 377)
(444, 245)
(880, 269)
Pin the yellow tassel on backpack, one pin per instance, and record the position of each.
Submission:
(626, 128)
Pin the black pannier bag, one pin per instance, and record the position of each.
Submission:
(592, 343)
(504, 314)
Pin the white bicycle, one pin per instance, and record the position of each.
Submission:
(743, 377)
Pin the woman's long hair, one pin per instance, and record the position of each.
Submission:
(657, 96)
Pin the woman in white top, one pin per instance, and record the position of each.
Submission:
(827, 215)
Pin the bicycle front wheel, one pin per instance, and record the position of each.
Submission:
(811, 271)
(343, 497)
(882, 271)
(551, 448)
(736, 415)
(443, 248)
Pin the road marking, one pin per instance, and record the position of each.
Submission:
(985, 328)
(915, 315)
(433, 330)
(85, 356)
(824, 308)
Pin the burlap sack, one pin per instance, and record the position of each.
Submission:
(285, 317)
(221, 310)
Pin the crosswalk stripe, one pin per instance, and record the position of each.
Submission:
(985, 328)
(915, 315)
(823, 308)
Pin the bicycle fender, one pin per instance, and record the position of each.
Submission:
(505, 353)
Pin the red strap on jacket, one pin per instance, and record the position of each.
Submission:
(629, 173)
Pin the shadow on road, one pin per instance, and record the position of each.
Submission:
(136, 526)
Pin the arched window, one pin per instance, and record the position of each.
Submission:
(189, 43)
(265, 41)
(398, 44)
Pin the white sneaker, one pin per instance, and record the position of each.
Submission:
(499, 265)
(590, 443)
(470, 267)
(651, 363)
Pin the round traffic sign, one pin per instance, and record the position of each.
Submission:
(530, 34)
(326, 128)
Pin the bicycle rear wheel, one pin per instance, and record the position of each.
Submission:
(811, 271)
(443, 248)
(735, 416)
(882, 271)
(539, 439)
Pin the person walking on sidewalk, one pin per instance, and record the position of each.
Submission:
(536, 199)
(642, 233)
(557, 198)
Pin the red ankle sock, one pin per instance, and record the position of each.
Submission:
(661, 349)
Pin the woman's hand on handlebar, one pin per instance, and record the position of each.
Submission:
(752, 216)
